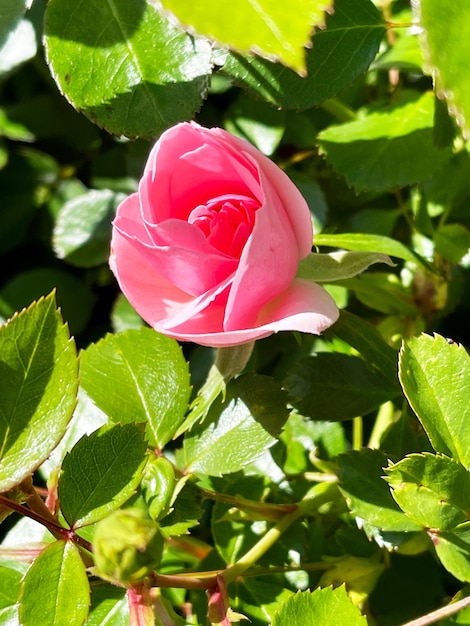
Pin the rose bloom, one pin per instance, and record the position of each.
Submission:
(208, 248)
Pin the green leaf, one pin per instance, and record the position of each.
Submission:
(452, 241)
(109, 606)
(101, 472)
(337, 265)
(55, 589)
(453, 550)
(10, 583)
(83, 228)
(274, 30)
(339, 54)
(125, 66)
(322, 606)
(124, 316)
(383, 292)
(363, 337)
(138, 376)
(186, 511)
(435, 376)
(351, 387)
(387, 149)
(11, 11)
(366, 492)
(366, 243)
(38, 387)
(238, 430)
(446, 26)
(434, 491)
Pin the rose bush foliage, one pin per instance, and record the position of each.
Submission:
(208, 249)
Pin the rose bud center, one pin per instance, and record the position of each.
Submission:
(226, 221)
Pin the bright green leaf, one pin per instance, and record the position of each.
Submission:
(322, 606)
(55, 589)
(453, 549)
(124, 65)
(365, 242)
(434, 491)
(351, 387)
(138, 376)
(109, 606)
(83, 228)
(274, 30)
(366, 492)
(386, 149)
(10, 582)
(446, 48)
(38, 387)
(337, 265)
(339, 53)
(435, 376)
(101, 472)
(239, 429)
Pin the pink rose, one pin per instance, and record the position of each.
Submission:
(208, 249)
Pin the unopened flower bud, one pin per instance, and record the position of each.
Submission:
(127, 546)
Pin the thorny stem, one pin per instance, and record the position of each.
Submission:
(47, 520)
(439, 614)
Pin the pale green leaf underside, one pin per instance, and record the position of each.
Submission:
(124, 65)
(11, 11)
(55, 589)
(38, 387)
(275, 30)
(446, 48)
(387, 149)
(435, 376)
(338, 265)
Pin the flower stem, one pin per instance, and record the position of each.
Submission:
(439, 614)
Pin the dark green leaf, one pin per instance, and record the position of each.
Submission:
(109, 606)
(138, 376)
(125, 66)
(322, 606)
(83, 229)
(386, 149)
(73, 296)
(239, 429)
(351, 387)
(339, 54)
(101, 472)
(433, 491)
(55, 590)
(452, 241)
(38, 387)
(435, 376)
(366, 492)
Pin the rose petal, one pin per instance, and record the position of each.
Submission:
(267, 265)
(193, 168)
(304, 307)
(289, 195)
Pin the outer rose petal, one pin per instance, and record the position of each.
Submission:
(304, 306)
